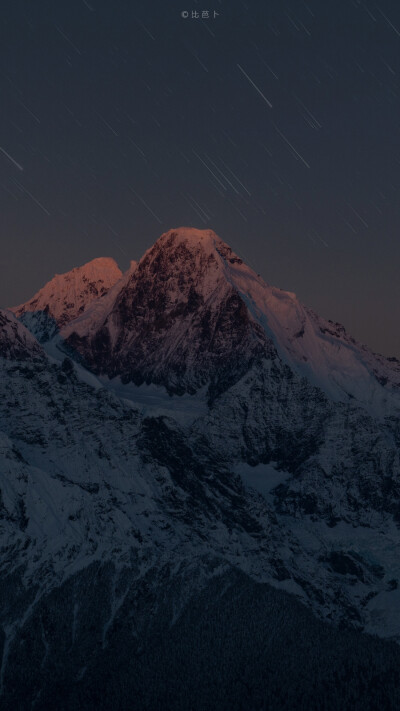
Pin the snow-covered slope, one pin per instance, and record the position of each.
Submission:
(318, 349)
(66, 296)
(85, 478)
(16, 342)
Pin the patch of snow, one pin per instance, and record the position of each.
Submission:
(154, 400)
(263, 477)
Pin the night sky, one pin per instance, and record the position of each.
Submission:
(276, 124)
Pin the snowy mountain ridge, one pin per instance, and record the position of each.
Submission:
(190, 426)
(190, 312)
(189, 296)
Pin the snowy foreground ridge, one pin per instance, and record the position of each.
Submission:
(184, 428)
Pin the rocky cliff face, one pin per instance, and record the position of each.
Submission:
(177, 321)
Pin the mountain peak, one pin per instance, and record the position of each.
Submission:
(183, 234)
(105, 268)
(176, 320)
(191, 237)
(67, 295)
(200, 253)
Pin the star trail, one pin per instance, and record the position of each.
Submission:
(274, 123)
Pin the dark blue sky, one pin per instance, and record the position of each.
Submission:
(275, 123)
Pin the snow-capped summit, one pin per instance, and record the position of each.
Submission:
(66, 296)
(195, 240)
(182, 234)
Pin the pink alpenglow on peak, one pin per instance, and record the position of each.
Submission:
(192, 234)
(67, 296)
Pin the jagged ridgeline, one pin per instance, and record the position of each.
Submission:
(199, 494)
